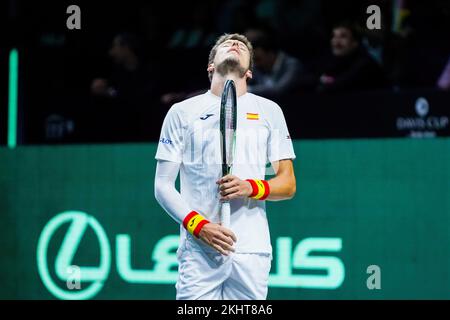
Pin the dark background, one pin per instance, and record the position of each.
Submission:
(57, 65)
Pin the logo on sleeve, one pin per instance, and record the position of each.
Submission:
(166, 141)
(207, 116)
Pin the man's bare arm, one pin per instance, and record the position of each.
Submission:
(282, 186)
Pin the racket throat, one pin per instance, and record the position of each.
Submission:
(226, 169)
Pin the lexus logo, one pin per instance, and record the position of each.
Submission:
(79, 221)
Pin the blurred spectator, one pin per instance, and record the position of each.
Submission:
(128, 90)
(416, 49)
(275, 72)
(444, 79)
(351, 67)
(129, 75)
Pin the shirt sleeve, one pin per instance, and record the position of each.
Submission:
(279, 142)
(171, 140)
(165, 192)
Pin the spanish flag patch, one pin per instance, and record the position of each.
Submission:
(252, 116)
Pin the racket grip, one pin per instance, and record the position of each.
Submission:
(225, 214)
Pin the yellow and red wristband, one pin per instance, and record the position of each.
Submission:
(194, 222)
(261, 189)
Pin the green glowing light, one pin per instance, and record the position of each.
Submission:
(12, 100)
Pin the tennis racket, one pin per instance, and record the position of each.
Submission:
(228, 139)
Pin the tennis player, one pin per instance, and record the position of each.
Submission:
(217, 262)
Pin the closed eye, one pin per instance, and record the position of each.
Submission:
(229, 43)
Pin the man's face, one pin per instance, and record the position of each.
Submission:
(342, 42)
(233, 53)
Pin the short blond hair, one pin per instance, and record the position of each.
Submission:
(226, 37)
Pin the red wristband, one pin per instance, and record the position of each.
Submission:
(194, 223)
(260, 189)
(254, 187)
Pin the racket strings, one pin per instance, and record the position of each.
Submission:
(228, 126)
(229, 132)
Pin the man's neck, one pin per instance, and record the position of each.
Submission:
(218, 82)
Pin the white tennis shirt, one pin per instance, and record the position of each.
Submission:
(190, 135)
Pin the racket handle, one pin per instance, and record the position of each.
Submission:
(225, 214)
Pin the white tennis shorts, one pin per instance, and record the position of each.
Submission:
(241, 276)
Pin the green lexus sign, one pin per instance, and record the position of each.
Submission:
(165, 258)
(370, 220)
